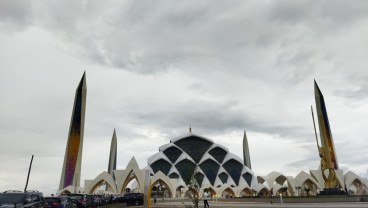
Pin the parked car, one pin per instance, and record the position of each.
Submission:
(53, 202)
(83, 200)
(130, 199)
(67, 202)
(18, 199)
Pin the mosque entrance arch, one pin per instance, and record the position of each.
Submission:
(179, 191)
(130, 178)
(358, 188)
(309, 188)
(101, 187)
(264, 192)
(160, 189)
(65, 192)
(246, 192)
(228, 193)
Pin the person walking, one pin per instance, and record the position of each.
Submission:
(205, 199)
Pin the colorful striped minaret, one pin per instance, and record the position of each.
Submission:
(324, 125)
(71, 172)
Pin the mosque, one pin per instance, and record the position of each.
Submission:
(170, 171)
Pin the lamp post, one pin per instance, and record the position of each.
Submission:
(281, 202)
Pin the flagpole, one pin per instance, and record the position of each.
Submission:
(29, 171)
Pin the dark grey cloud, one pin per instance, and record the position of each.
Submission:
(15, 14)
(357, 93)
(154, 68)
(208, 117)
(291, 12)
(311, 162)
(337, 15)
(151, 37)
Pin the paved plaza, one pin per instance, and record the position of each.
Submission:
(257, 204)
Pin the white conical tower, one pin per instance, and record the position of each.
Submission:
(246, 155)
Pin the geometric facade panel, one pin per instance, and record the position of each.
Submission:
(218, 153)
(210, 168)
(248, 178)
(199, 177)
(172, 153)
(161, 165)
(223, 176)
(173, 175)
(186, 169)
(234, 169)
(194, 146)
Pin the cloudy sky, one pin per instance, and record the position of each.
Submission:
(156, 67)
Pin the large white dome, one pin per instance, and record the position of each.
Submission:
(213, 163)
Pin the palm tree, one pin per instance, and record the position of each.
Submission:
(284, 190)
(254, 192)
(307, 189)
(298, 188)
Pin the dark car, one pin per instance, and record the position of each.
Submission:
(130, 199)
(60, 202)
(17, 199)
(53, 202)
(67, 202)
(82, 200)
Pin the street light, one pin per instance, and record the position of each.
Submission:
(281, 202)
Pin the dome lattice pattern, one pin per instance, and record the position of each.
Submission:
(213, 163)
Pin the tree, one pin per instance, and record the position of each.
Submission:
(307, 190)
(193, 190)
(254, 192)
(298, 188)
(284, 190)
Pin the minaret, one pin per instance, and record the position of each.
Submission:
(246, 155)
(71, 171)
(112, 158)
(324, 125)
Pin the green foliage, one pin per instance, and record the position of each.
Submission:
(307, 190)
(192, 193)
(254, 192)
(284, 190)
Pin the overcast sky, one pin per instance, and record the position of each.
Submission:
(156, 67)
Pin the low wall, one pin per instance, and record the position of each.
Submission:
(319, 199)
(115, 205)
(311, 199)
(364, 198)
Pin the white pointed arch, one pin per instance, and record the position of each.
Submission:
(353, 180)
(161, 176)
(223, 188)
(103, 178)
(126, 176)
(259, 187)
(70, 189)
(274, 177)
(302, 177)
(275, 189)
